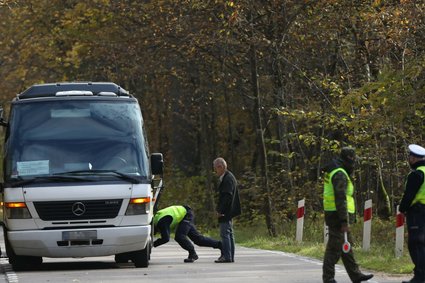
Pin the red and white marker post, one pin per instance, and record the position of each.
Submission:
(367, 224)
(399, 233)
(300, 221)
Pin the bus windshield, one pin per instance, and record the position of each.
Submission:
(56, 137)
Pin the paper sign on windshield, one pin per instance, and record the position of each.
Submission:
(38, 167)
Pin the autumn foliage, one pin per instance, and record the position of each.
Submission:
(276, 87)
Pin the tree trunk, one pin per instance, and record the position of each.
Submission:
(227, 104)
(282, 127)
(260, 139)
(385, 198)
(206, 145)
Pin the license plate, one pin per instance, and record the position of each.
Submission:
(79, 235)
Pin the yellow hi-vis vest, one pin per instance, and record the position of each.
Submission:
(177, 212)
(329, 194)
(420, 195)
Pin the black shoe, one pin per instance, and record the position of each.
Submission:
(222, 260)
(191, 258)
(363, 277)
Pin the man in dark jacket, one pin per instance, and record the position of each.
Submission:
(339, 206)
(228, 206)
(181, 218)
(413, 205)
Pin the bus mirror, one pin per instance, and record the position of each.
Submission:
(157, 163)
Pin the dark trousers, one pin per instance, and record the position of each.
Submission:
(228, 240)
(186, 229)
(334, 252)
(416, 240)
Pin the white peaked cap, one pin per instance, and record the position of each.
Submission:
(417, 150)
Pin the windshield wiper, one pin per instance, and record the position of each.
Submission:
(114, 173)
(50, 178)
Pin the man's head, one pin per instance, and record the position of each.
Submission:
(416, 153)
(348, 154)
(220, 166)
(348, 157)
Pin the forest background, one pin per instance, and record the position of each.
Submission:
(275, 87)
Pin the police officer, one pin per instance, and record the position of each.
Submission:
(181, 218)
(413, 205)
(339, 206)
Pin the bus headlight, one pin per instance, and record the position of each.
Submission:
(138, 206)
(17, 210)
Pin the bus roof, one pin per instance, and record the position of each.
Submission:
(51, 89)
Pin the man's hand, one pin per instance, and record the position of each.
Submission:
(219, 214)
(345, 228)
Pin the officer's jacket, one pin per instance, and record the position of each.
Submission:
(177, 212)
(340, 182)
(414, 181)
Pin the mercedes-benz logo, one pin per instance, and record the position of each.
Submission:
(78, 208)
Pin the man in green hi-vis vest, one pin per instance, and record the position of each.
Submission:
(339, 206)
(180, 219)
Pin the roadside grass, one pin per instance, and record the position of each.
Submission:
(380, 257)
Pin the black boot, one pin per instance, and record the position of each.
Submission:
(363, 277)
(192, 257)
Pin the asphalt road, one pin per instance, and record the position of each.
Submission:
(167, 266)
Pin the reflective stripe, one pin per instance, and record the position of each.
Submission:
(177, 212)
(420, 195)
(329, 193)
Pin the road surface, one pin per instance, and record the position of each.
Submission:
(167, 266)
